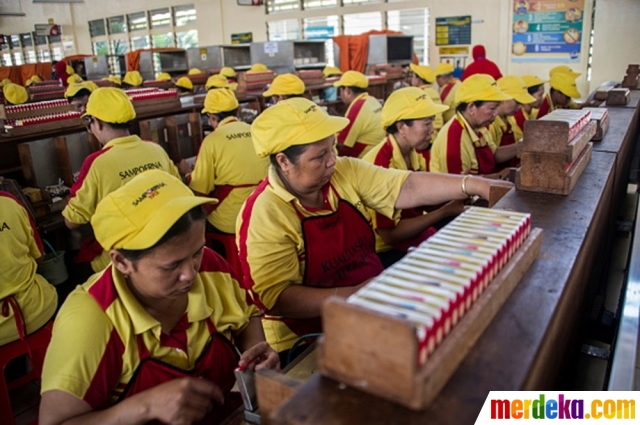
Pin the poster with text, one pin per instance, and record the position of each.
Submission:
(547, 30)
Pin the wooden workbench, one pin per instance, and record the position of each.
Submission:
(531, 341)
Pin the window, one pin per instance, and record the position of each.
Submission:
(97, 28)
(140, 42)
(30, 56)
(101, 48)
(288, 29)
(117, 25)
(14, 41)
(41, 40)
(18, 59)
(160, 18)
(187, 39)
(26, 39)
(323, 28)
(352, 2)
(56, 52)
(184, 15)
(163, 40)
(138, 21)
(276, 6)
(55, 39)
(316, 4)
(44, 55)
(413, 22)
(120, 46)
(358, 23)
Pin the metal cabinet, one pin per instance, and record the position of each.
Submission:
(287, 56)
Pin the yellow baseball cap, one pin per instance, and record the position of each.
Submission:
(111, 105)
(564, 69)
(228, 72)
(5, 81)
(285, 84)
(69, 70)
(258, 67)
(36, 78)
(29, 82)
(137, 215)
(516, 88)
(74, 79)
(185, 83)
(218, 101)
(163, 76)
(133, 78)
(352, 79)
(423, 72)
(443, 68)
(219, 81)
(73, 89)
(331, 70)
(114, 79)
(409, 103)
(295, 121)
(565, 84)
(480, 87)
(532, 81)
(15, 94)
(194, 71)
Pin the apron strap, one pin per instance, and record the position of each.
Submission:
(11, 302)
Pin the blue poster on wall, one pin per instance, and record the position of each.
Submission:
(547, 30)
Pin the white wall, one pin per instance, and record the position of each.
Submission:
(615, 42)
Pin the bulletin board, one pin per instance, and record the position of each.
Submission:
(547, 30)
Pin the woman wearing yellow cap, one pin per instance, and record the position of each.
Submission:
(563, 89)
(132, 79)
(154, 336)
(502, 129)
(535, 87)
(227, 167)
(184, 85)
(219, 81)
(464, 144)
(258, 67)
(448, 88)
(78, 95)
(304, 234)
(123, 156)
(24, 294)
(407, 116)
(424, 78)
(285, 86)
(229, 73)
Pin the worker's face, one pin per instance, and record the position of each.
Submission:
(213, 121)
(442, 80)
(346, 95)
(483, 115)
(539, 95)
(508, 108)
(419, 134)
(314, 166)
(80, 104)
(560, 99)
(415, 81)
(169, 270)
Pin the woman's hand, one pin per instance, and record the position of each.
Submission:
(453, 208)
(264, 355)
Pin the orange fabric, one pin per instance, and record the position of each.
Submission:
(133, 58)
(355, 48)
(19, 74)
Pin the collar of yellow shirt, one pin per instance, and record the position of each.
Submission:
(122, 140)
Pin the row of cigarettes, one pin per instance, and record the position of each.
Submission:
(152, 95)
(35, 106)
(434, 285)
(578, 119)
(41, 119)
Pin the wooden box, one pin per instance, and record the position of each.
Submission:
(601, 117)
(552, 137)
(619, 97)
(378, 354)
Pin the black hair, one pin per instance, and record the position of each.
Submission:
(421, 79)
(552, 91)
(53, 62)
(393, 128)
(78, 95)
(534, 89)
(118, 126)
(463, 106)
(180, 227)
(183, 89)
(290, 96)
(356, 90)
(226, 114)
(292, 153)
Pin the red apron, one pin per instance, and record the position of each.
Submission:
(221, 193)
(419, 238)
(340, 251)
(216, 364)
(486, 159)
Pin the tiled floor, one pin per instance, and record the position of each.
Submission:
(24, 403)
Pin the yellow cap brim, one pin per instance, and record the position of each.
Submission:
(524, 98)
(570, 91)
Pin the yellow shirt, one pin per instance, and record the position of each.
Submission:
(227, 158)
(94, 352)
(388, 155)
(499, 127)
(269, 233)
(365, 126)
(20, 246)
(450, 99)
(105, 171)
(438, 120)
(453, 151)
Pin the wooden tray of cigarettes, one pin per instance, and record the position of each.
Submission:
(402, 336)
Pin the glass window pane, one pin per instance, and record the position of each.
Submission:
(352, 2)
(120, 46)
(26, 39)
(163, 40)
(100, 48)
(56, 52)
(97, 28)
(140, 42)
(287, 29)
(276, 6)
(358, 23)
(413, 22)
(184, 15)
(316, 4)
(187, 39)
(41, 40)
(117, 25)
(44, 55)
(323, 28)
(14, 41)
(55, 39)
(30, 56)
(7, 60)
(138, 21)
(160, 18)
(18, 59)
